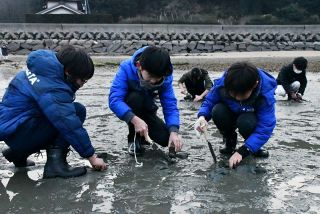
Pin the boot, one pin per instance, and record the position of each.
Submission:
(17, 161)
(57, 166)
(230, 144)
(261, 153)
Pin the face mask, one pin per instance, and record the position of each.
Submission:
(146, 85)
(296, 70)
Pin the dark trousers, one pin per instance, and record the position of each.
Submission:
(143, 107)
(194, 88)
(227, 121)
(38, 133)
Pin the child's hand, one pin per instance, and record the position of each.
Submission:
(197, 98)
(140, 126)
(200, 125)
(175, 139)
(184, 91)
(97, 163)
(234, 160)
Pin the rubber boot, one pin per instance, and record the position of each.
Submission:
(16, 160)
(57, 166)
(230, 144)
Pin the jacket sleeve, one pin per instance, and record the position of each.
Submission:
(284, 78)
(303, 85)
(59, 108)
(266, 121)
(117, 95)
(212, 98)
(169, 106)
(183, 78)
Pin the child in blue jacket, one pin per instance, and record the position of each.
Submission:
(242, 98)
(140, 79)
(38, 112)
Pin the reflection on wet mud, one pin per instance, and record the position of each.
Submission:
(287, 182)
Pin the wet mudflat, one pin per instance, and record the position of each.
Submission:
(286, 182)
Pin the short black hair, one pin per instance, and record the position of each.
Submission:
(76, 61)
(301, 63)
(195, 73)
(241, 77)
(156, 61)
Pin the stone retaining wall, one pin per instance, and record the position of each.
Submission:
(116, 43)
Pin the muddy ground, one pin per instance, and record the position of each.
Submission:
(286, 182)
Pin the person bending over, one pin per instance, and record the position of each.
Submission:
(38, 112)
(195, 84)
(139, 80)
(242, 98)
(292, 80)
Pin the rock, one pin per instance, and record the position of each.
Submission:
(316, 46)
(13, 46)
(217, 47)
(168, 46)
(231, 47)
(191, 45)
(23, 52)
(253, 48)
(299, 45)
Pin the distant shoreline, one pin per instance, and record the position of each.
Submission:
(269, 60)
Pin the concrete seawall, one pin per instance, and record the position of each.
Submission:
(118, 39)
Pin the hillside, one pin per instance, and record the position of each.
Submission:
(211, 11)
(186, 11)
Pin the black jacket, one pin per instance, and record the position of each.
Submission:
(287, 76)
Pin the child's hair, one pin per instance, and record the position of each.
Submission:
(241, 77)
(195, 73)
(76, 61)
(156, 61)
(301, 63)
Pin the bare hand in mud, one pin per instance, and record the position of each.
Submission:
(140, 126)
(175, 139)
(197, 98)
(235, 160)
(298, 98)
(184, 91)
(97, 163)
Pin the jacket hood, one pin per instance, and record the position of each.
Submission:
(45, 63)
(135, 57)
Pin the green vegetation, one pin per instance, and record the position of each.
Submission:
(210, 11)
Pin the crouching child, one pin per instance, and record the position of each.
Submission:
(242, 98)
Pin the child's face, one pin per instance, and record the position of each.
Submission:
(81, 82)
(150, 78)
(78, 81)
(243, 96)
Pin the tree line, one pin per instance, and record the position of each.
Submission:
(211, 11)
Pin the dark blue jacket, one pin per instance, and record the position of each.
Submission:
(41, 91)
(127, 80)
(262, 102)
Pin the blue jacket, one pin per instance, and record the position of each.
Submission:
(127, 80)
(41, 91)
(262, 102)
